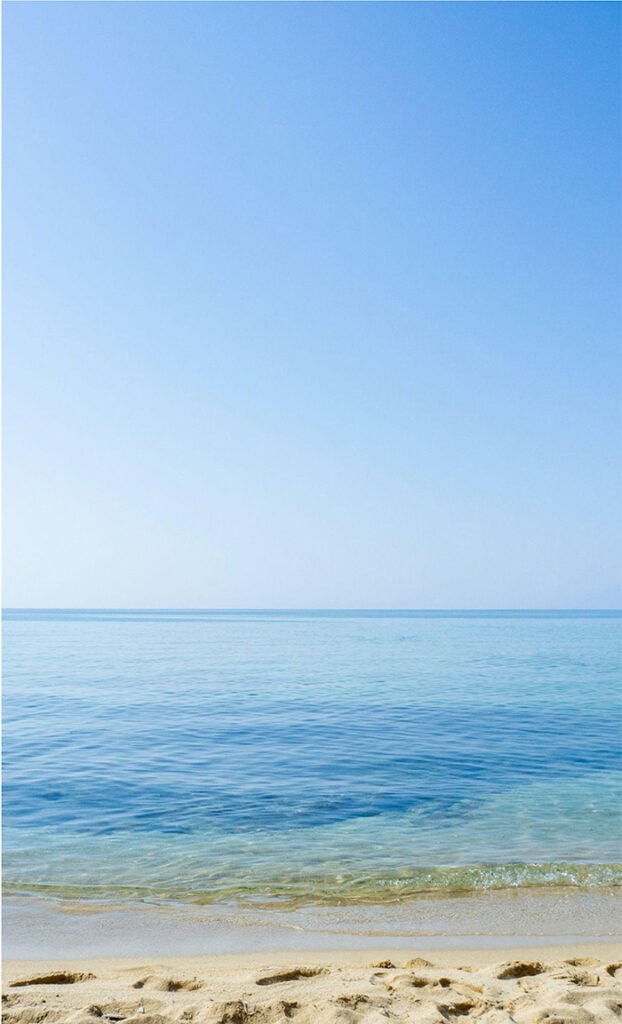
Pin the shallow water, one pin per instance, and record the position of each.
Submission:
(312, 756)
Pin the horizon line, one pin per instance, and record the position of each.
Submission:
(243, 608)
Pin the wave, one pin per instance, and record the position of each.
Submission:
(297, 888)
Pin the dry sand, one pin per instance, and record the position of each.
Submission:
(540, 985)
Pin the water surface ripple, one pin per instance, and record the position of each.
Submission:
(313, 756)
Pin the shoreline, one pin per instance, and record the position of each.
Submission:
(36, 928)
(514, 957)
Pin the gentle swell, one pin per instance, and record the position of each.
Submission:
(329, 890)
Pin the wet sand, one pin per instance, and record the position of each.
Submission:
(42, 929)
(545, 957)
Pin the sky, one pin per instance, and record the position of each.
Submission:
(312, 305)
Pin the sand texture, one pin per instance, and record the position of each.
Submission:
(528, 988)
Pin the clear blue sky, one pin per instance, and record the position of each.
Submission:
(311, 305)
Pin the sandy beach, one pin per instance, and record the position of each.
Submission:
(530, 958)
(538, 985)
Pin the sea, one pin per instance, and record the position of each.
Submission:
(309, 757)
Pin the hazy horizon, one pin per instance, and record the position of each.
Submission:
(312, 306)
(324, 611)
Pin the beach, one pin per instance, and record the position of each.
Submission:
(504, 957)
(549, 984)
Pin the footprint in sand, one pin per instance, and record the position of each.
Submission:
(168, 984)
(457, 1007)
(521, 969)
(418, 982)
(56, 978)
(287, 1009)
(233, 1012)
(295, 974)
(584, 978)
(354, 1001)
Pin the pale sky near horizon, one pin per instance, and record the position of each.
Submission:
(312, 305)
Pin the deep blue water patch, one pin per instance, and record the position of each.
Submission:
(220, 746)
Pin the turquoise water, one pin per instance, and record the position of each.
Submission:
(309, 756)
